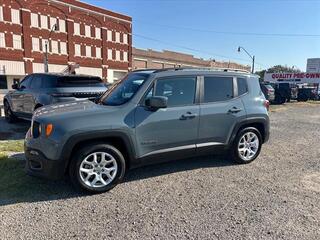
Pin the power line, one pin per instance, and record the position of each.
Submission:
(234, 33)
(194, 50)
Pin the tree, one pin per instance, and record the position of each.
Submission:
(280, 68)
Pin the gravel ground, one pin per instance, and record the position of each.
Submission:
(275, 197)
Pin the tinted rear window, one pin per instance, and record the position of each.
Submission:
(67, 81)
(242, 86)
(218, 89)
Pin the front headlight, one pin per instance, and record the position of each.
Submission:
(35, 129)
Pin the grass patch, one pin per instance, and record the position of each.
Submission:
(14, 181)
(16, 186)
(11, 146)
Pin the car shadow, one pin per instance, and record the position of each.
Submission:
(176, 166)
(13, 131)
(31, 189)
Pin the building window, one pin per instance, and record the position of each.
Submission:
(62, 25)
(3, 80)
(88, 51)
(34, 20)
(2, 40)
(87, 31)
(17, 41)
(53, 21)
(54, 47)
(76, 29)
(110, 54)
(63, 48)
(125, 56)
(125, 38)
(1, 14)
(117, 55)
(109, 35)
(117, 37)
(98, 33)
(44, 22)
(77, 50)
(35, 44)
(15, 16)
(98, 52)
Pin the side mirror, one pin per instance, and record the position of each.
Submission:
(156, 102)
(15, 86)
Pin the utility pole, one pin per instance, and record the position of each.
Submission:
(252, 57)
(46, 64)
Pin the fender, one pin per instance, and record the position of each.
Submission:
(96, 136)
(252, 120)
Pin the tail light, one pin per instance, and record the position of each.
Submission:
(266, 103)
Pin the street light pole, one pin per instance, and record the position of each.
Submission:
(252, 57)
(46, 64)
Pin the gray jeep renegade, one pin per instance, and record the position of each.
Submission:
(149, 116)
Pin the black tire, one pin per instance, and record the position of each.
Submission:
(83, 153)
(235, 153)
(9, 116)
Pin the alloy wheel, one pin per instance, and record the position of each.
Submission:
(248, 146)
(98, 169)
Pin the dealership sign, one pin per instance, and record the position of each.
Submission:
(293, 77)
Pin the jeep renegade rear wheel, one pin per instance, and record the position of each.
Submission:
(247, 145)
(97, 168)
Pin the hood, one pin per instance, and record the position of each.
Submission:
(68, 108)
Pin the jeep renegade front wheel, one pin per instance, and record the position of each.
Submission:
(97, 168)
(247, 145)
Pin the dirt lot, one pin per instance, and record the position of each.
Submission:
(275, 197)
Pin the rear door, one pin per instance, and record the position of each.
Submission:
(172, 130)
(220, 109)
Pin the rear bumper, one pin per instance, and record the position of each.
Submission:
(38, 165)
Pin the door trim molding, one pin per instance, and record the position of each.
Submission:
(169, 150)
(208, 144)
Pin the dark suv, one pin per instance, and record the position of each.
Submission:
(149, 116)
(39, 89)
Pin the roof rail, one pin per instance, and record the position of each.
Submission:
(192, 69)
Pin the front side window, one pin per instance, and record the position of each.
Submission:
(180, 91)
(242, 86)
(36, 82)
(218, 89)
(25, 82)
(124, 90)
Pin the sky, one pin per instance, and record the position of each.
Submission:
(215, 28)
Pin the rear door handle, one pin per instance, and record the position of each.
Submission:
(234, 110)
(188, 115)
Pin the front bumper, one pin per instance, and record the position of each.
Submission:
(38, 165)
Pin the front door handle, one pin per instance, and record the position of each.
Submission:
(188, 115)
(235, 110)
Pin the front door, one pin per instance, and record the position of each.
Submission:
(172, 130)
(18, 96)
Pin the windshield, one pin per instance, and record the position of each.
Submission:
(124, 90)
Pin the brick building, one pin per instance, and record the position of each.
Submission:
(97, 39)
(167, 59)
